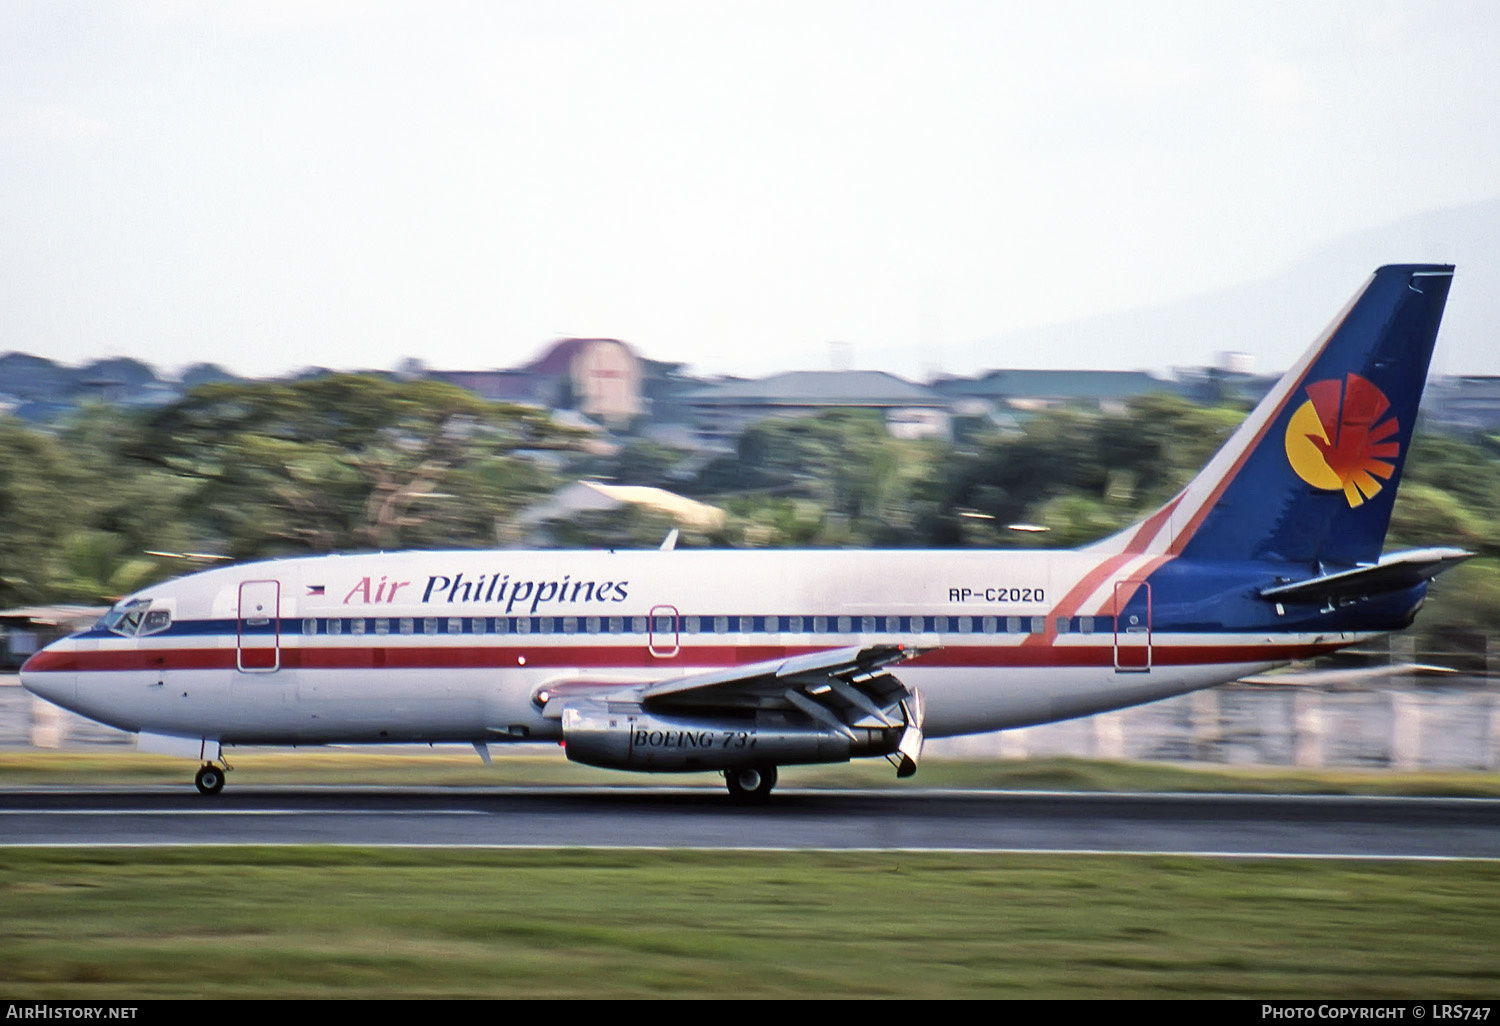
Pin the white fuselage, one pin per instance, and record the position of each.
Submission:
(453, 646)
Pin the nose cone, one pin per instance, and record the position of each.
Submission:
(51, 675)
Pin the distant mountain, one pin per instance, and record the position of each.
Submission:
(1275, 318)
(39, 389)
(116, 371)
(204, 374)
(26, 377)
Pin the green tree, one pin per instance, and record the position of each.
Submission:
(349, 462)
(36, 484)
(1450, 495)
(94, 566)
(867, 483)
(1081, 474)
(644, 462)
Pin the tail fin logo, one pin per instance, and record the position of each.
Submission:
(1337, 441)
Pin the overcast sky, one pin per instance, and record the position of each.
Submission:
(735, 185)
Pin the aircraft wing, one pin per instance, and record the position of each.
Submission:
(747, 683)
(846, 690)
(1394, 572)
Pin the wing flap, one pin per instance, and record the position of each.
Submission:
(773, 675)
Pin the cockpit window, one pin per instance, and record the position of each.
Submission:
(114, 620)
(135, 617)
(156, 621)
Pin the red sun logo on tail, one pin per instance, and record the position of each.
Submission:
(1336, 439)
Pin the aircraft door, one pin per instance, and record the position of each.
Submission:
(258, 638)
(1132, 629)
(662, 627)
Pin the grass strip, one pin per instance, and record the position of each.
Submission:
(373, 923)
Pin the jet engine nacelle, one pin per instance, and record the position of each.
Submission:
(631, 738)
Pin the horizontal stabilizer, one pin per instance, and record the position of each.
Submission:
(1395, 572)
(1343, 676)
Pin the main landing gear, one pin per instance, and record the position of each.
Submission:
(210, 779)
(750, 784)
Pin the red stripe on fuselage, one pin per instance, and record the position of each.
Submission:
(1076, 597)
(634, 657)
(1151, 525)
(1121, 598)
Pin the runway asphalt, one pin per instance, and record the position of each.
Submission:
(1220, 825)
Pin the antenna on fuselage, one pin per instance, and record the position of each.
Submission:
(670, 541)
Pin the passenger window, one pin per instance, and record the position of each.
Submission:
(1085, 625)
(356, 625)
(336, 626)
(455, 625)
(310, 626)
(429, 625)
(1038, 625)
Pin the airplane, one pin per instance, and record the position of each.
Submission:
(741, 662)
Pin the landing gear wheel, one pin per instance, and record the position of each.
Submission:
(751, 783)
(210, 779)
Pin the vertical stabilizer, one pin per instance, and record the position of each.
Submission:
(1311, 475)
